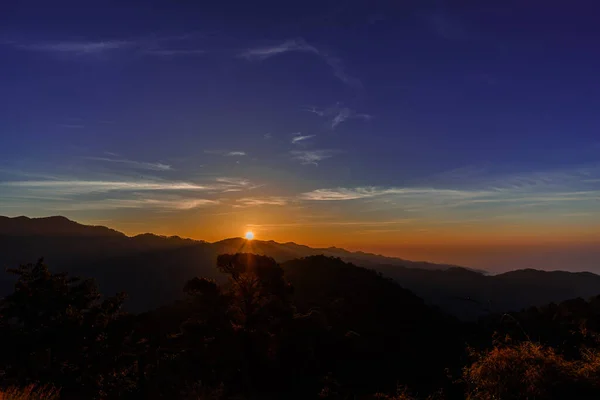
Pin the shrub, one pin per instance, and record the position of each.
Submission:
(30, 392)
(529, 370)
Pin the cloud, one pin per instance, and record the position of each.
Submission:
(334, 223)
(151, 46)
(267, 136)
(134, 164)
(300, 45)
(312, 156)
(364, 192)
(72, 194)
(262, 53)
(115, 204)
(87, 186)
(339, 71)
(71, 126)
(76, 187)
(342, 115)
(226, 153)
(239, 182)
(519, 195)
(315, 110)
(298, 137)
(77, 47)
(261, 201)
(337, 114)
(171, 53)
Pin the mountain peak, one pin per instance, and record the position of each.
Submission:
(55, 225)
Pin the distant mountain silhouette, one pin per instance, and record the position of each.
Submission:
(290, 250)
(60, 227)
(54, 226)
(470, 294)
(152, 268)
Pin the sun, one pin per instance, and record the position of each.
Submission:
(249, 235)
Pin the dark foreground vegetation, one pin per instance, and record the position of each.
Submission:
(311, 328)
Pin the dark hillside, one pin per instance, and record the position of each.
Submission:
(395, 329)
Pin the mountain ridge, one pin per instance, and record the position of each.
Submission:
(63, 226)
(154, 268)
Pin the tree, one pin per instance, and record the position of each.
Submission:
(260, 297)
(57, 330)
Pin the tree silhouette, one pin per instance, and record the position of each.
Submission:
(72, 337)
(334, 331)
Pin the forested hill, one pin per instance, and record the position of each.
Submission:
(310, 328)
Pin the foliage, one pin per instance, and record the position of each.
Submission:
(73, 338)
(315, 327)
(30, 392)
(529, 370)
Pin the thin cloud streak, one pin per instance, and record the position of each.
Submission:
(171, 53)
(299, 138)
(106, 195)
(340, 194)
(334, 223)
(261, 201)
(71, 126)
(312, 157)
(300, 45)
(262, 53)
(134, 164)
(115, 204)
(226, 153)
(338, 114)
(89, 47)
(151, 46)
(555, 189)
(97, 186)
(76, 186)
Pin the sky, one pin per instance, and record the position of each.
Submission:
(464, 132)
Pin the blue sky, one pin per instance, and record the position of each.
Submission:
(322, 122)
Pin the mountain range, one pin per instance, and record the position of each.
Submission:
(152, 269)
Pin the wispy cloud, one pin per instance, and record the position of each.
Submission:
(115, 204)
(339, 71)
(76, 47)
(312, 156)
(262, 53)
(561, 190)
(373, 191)
(171, 53)
(298, 137)
(86, 186)
(167, 46)
(73, 194)
(261, 201)
(71, 126)
(134, 164)
(236, 182)
(73, 187)
(227, 153)
(300, 45)
(334, 223)
(337, 114)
